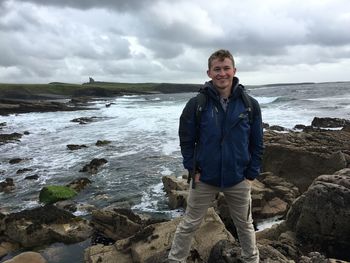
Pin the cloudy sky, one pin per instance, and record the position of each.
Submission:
(273, 41)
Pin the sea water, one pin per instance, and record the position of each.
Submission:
(143, 130)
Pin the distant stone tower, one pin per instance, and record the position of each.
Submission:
(91, 80)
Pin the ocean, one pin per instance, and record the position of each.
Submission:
(144, 147)
(144, 144)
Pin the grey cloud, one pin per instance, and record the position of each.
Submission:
(119, 5)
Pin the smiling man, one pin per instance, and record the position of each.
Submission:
(222, 151)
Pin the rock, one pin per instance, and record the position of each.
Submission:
(265, 125)
(314, 257)
(100, 253)
(79, 184)
(301, 157)
(116, 223)
(152, 243)
(299, 127)
(178, 199)
(93, 165)
(7, 185)
(279, 188)
(6, 138)
(102, 142)
(74, 147)
(329, 122)
(43, 226)
(24, 170)
(278, 128)
(174, 183)
(7, 247)
(32, 177)
(273, 208)
(15, 160)
(15, 105)
(53, 193)
(85, 120)
(321, 216)
(27, 257)
(346, 128)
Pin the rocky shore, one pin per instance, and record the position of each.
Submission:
(305, 182)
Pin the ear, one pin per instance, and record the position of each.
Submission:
(208, 73)
(234, 71)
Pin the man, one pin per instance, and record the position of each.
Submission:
(222, 154)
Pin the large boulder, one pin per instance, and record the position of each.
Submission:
(116, 223)
(44, 225)
(153, 243)
(320, 217)
(301, 157)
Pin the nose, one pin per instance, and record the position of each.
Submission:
(221, 72)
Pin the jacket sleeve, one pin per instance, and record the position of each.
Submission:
(256, 143)
(187, 133)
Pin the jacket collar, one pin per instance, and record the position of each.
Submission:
(210, 89)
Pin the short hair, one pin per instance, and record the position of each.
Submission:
(221, 54)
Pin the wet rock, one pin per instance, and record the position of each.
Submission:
(265, 125)
(15, 160)
(26, 132)
(329, 122)
(7, 138)
(74, 147)
(278, 128)
(299, 127)
(24, 170)
(102, 142)
(32, 177)
(79, 184)
(93, 165)
(9, 106)
(7, 185)
(85, 120)
(53, 193)
(44, 225)
(27, 257)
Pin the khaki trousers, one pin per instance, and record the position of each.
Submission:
(238, 198)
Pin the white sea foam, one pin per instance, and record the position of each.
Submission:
(137, 126)
(266, 100)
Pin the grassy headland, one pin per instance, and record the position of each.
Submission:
(96, 89)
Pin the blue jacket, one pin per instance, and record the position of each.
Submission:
(230, 146)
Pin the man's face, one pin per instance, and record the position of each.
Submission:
(222, 73)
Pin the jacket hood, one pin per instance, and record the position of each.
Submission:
(210, 89)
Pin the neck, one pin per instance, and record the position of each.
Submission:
(224, 93)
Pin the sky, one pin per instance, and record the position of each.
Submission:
(273, 41)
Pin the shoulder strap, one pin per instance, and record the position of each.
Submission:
(247, 100)
(201, 103)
